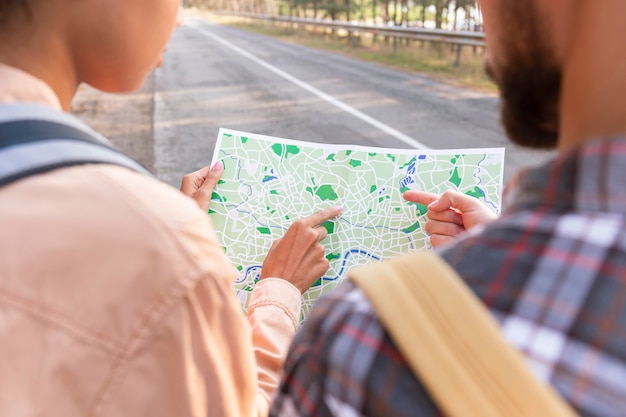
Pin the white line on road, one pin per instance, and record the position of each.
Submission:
(345, 107)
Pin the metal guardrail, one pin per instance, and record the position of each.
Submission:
(461, 38)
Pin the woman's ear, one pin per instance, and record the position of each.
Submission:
(180, 18)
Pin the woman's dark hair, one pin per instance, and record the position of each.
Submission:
(8, 8)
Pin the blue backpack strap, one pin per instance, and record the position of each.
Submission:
(29, 147)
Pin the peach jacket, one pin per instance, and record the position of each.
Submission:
(116, 298)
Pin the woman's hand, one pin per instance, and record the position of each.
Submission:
(298, 257)
(200, 184)
(450, 214)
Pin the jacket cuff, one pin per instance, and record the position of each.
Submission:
(278, 293)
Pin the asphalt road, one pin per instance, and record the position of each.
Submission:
(218, 76)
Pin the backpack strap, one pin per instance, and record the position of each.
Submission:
(29, 147)
(452, 343)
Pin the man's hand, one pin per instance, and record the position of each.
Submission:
(450, 214)
(200, 184)
(298, 257)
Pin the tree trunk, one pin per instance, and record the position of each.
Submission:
(374, 11)
(385, 11)
(363, 12)
(405, 12)
(439, 6)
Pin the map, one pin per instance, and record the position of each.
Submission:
(269, 182)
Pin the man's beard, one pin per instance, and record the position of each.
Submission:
(529, 80)
(530, 105)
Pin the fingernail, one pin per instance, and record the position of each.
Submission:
(218, 166)
(434, 203)
(338, 208)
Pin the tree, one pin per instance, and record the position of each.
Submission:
(425, 4)
(332, 9)
(384, 7)
(466, 6)
(440, 6)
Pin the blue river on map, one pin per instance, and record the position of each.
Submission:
(255, 270)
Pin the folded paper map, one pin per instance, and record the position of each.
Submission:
(270, 182)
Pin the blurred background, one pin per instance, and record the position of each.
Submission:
(394, 74)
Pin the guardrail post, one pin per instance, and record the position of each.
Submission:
(353, 39)
(459, 50)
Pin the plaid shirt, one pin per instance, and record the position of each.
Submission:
(552, 271)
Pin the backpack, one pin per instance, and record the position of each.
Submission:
(34, 146)
(452, 343)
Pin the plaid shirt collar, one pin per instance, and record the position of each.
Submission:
(588, 178)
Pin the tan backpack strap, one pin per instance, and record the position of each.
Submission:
(452, 343)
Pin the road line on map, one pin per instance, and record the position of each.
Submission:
(335, 102)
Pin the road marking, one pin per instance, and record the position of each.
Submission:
(338, 103)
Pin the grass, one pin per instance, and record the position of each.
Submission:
(433, 59)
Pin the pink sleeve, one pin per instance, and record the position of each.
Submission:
(274, 314)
